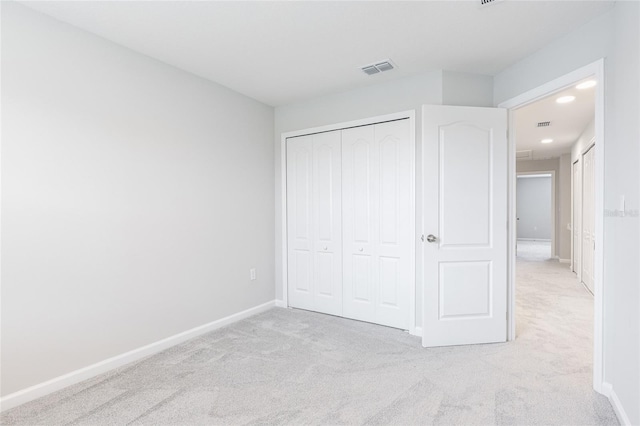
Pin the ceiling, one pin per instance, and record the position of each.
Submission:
(287, 51)
(568, 121)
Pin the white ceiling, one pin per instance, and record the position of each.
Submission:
(288, 51)
(568, 121)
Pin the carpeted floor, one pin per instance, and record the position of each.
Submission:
(533, 250)
(297, 367)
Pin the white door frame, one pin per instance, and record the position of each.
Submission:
(552, 173)
(411, 115)
(593, 70)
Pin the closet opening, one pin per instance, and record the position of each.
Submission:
(349, 228)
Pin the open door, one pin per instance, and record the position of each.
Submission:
(465, 225)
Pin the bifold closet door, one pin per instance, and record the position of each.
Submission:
(377, 217)
(314, 233)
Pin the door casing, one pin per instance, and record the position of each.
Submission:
(592, 70)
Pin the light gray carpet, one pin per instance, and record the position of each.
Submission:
(534, 250)
(296, 367)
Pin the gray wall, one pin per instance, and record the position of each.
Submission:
(135, 198)
(533, 207)
(616, 37)
(395, 96)
(552, 164)
(564, 186)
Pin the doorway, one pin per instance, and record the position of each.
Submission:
(565, 222)
(535, 211)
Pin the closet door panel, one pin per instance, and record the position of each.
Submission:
(299, 222)
(393, 233)
(327, 222)
(377, 214)
(359, 215)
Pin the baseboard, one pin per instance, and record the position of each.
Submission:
(534, 239)
(280, 303)
(623, 418)
(77, 376)
(564, 260)
(417, 331)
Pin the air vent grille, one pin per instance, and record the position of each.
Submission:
(370, 70)
(384, 66)
(524, 155)
(378, 67)
(544, 124)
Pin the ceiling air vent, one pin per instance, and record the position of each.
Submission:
(370, 70)
(488, 2)
(378, 67)
(524, 155)
(544, 124)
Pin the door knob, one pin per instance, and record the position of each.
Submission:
(431, 238)
(325, 247)
(360, 249)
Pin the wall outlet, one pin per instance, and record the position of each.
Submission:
(252, 274)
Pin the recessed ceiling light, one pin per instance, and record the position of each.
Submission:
(546, 140)
(587, 84)
(565, 99)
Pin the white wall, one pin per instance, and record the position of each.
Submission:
(466, 89)
(616, 37)
(533, 207)
(400, 95)
(135, 199)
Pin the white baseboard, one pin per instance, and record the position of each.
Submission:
(417, 331)
(564, 260)
(534, 239)
(77, 376)
(280, 303)
(608, 391)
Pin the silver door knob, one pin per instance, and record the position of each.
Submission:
(431, 238)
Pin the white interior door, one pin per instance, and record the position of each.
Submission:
(465, 215)
(575, 222)
(314, 224)
(377, 216)
(588, 217)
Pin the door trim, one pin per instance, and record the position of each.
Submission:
(595, 70)
(553, 205)
(411, 116)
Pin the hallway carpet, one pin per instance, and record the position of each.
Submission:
(295, 367)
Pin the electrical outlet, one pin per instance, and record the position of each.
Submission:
(252, 274)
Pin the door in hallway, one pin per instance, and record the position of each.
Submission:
(588, 217)
(575, 221)
(465, 219)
